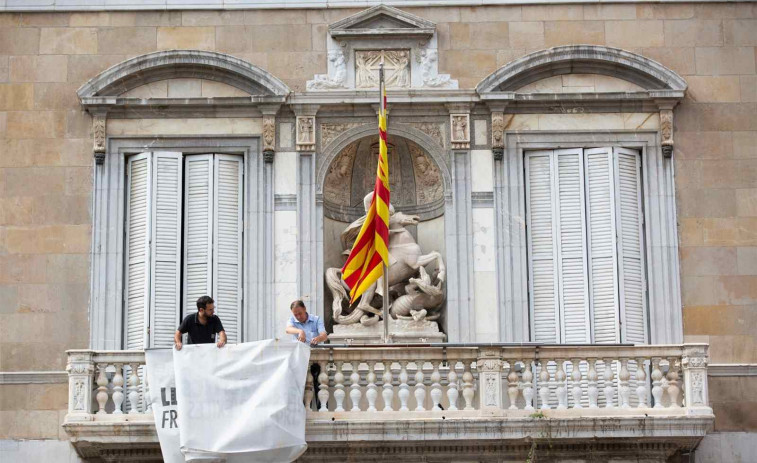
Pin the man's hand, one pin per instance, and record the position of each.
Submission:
(318, 339)
(301, 336)
(177, 345)
(221, 339)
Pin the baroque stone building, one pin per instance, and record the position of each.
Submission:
(586, 174)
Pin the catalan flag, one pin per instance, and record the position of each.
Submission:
(364, 265)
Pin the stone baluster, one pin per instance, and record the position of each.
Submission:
(436, 387)
(80, 370)
(641, 383)
(625, 390)
(145, 390)
(371, 393)
(420, 388)
(528, 384)
(544, 384)
(468, 386)
(592, 377)
(355, 393)
(388, 389)
(694, 364)
(404, 392)
(323, 387)
(118, 389)
(512, 386)
(575, 376)
(102, 389)
(133, 389)
(656, 383)
(562, 390)
(452, 392)
(609, 378)
(339, 388)
(308, 396)
(674, 390)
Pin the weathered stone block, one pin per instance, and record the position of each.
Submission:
(89, 19)
(745, 145)
(526, 35)
(571, 32)
(156, 18)
(16, 97)
(468, 63)
(746, 258)
(4, 68)
(55, 96)
(126, 40)
(615, 11)
(275, 38)
(725, 60)
(235, 39)
(740, 32)
(211, 18)
(487, 13)
(81, 68)
(714, 88)
(489, 35)
(553, 13)
(36, 124)
(681, 60)
(693, 32)
(19, 41)
(265, 17)
(713, 261)
(68, 41)
(184, 88)
(727, 116)
(666, 11)
(51, 68)
(199, 38)
(746, 202)
(704, 145)
(737, 231)
(632, 34)
(707, 203)
(748, 89)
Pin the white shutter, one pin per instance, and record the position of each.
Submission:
(138, 207)
(227, 237)
(166, 248)
(542, 280)
(198, 228)
(631, 269)
(600, 210)
(571, 248)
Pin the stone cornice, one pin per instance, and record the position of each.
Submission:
(33, 377)
(732, 369)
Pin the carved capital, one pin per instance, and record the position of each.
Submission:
(460, 131)
(666, 132)
(269, 137)
(305, 133)
(98, 135)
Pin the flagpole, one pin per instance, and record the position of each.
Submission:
(385, 278)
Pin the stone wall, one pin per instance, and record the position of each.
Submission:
(46, 158)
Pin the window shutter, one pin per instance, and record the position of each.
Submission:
(227, 248)
(542, 279)
(631, 269)
(198, 227)
(603, 289)
(166, 248)
(138, 208)
(571, 247)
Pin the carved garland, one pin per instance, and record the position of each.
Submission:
(269, 138)
(498, 135)
(98, 133)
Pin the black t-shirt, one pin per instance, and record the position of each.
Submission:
(199, 333)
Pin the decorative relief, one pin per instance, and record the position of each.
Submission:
(79, 395)
(431, 129)
(337, 76)
(98, 132)
(305, 133)
(498, 135)
(666, 130)
(429, 59)
(697, 386)
(339, 176)
(428, 179)
(491, 390)
(396, 68)
(330, 131)
(460, 135)
(269, 137)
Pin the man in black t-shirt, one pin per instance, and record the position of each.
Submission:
(201, 326)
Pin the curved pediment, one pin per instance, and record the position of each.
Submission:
(180, 64)
(642, 72)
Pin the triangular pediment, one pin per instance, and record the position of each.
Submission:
(382, 22)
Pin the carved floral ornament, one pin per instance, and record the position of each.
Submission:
(98, 135)
(269, 137)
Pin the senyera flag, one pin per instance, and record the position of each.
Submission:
(364, 265)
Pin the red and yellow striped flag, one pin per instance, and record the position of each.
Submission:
(363, 266)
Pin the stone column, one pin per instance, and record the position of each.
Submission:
(694, 362)
(80, 370)
(489, 365)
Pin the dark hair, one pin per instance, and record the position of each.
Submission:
(297, 303)
(203, 302)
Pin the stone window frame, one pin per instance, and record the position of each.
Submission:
(660, 227)
(109, 223)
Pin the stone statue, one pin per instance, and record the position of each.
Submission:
(419, 295)
(336, 78)
(429, 71)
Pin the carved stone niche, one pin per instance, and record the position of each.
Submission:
(305, 133)
(460, 131)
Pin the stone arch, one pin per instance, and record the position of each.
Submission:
(582, 59)
(171, 64)
(432, 148)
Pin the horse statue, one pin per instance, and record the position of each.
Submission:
(406, 261)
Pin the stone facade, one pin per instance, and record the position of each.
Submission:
(47, 159)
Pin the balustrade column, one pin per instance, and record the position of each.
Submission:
(404, 392)
(323, 387)
(118, 389)
(641, 383)
(544, 384)
(674, 390)
(625, 390)
(420, 388)
(562, 390)
(656, 383)
(528, 385)
(80, 370)
(593, 392)
(355, 393)
(388, 389)
(133, 389)
(371, 393)
(489, 367)
(436, 387)
(575, 376)
(339, 388)
(512, 386)
(694, 364)
(452, 387)
(468, 386)
(609, 378)
(102, 389)
(308, 399)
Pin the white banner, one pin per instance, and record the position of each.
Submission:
(162, 397)
(242, 402)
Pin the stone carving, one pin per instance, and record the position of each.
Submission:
(431, 129)
(337, 76)
(269, 137)
(430, 71)
(460, 124)
(420, 298)
(98, 133)
(405, 262)
(666, 130)
(79, 395)
(697, 384)
(330, 131)
(305, 133)
(491, 390)
(498, 135)
(396, 68)
(428, 180)
(339, 176)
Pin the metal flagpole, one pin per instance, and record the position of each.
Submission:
(385, 277)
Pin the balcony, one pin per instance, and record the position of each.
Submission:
(442, 402)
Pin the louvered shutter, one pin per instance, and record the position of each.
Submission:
(166, 248)
(600, 211)
(543, 285)
(571, 248)
(198, 229)
(631, 269)
(138, 212)
(227, 237)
